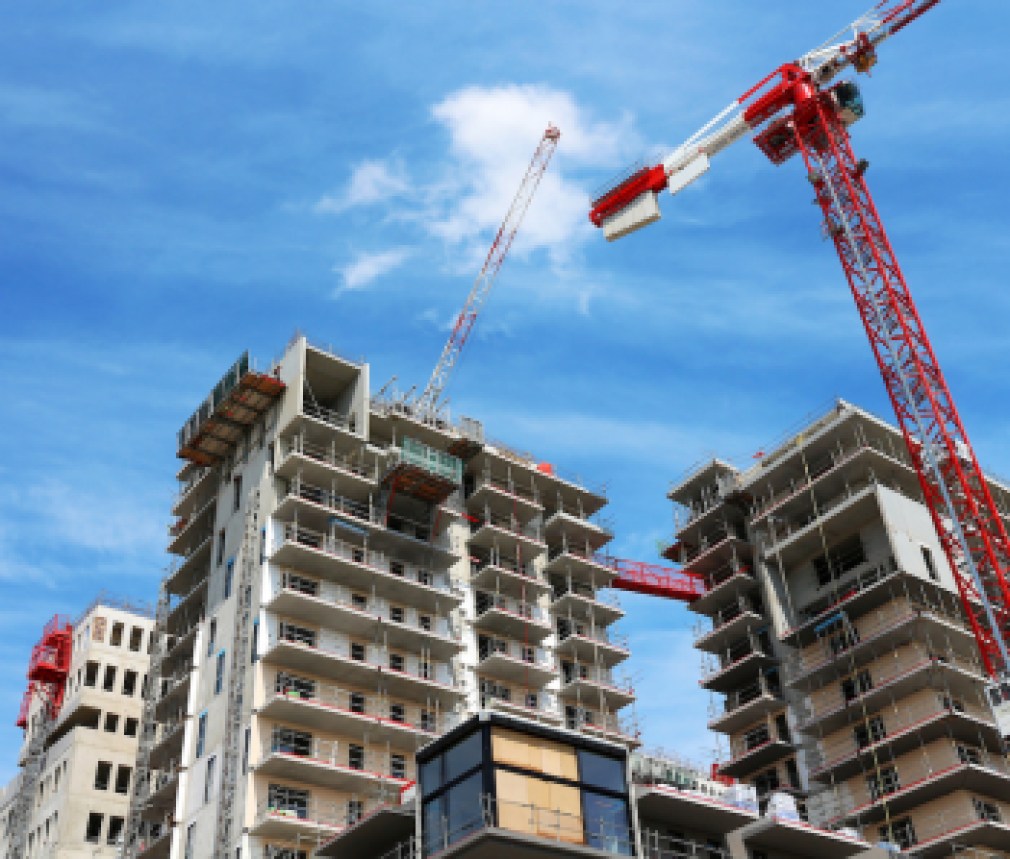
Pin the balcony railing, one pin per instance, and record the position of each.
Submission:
(365, 512)
(512, 524)
(343, 597)
(600, 635)
(508, 565)
(342, 755)
(580, 718)
(575, 672)
(371, 656)
(313, 813)
(528, 653)
(729, 613)
(411, 716)
(340, 420)
(485, 601)
(751, 692)
(328, 455)
(509, 487)
(545, 824)
(368, 558)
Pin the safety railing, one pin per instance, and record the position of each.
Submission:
(574, 672)
(370, 656)
(530, 495)
(751, 692)
(292, 688)
(327, 454)
(601, 635)
(508, 565)
(658, 845)
(340, 420)
(488, 647)
(893, 722)
(343, 597)
(862, 580)
(729, 613)
(377, 561)
(844, 637)
(567, 585)
(822, 465)
(582, 718)
(331, 815)
(339, 754)
(512, 524)
(760, 735)
(610, 835)
(365, 512)
(781, 529)
(485, 601)
(739, 650)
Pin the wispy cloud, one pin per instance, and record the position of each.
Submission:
(369, 267)
(373, 181)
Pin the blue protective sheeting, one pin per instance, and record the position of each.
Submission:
(831, 621)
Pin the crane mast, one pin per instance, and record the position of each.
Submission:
(428, 401)
(793, 110)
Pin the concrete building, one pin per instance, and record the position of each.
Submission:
(841, 665)
(498, 786)
(404, 573)
(81, 796)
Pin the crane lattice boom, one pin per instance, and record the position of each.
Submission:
(429, 399)
(793, 110)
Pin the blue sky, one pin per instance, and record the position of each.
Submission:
(182, 181)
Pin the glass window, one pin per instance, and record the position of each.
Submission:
(432, 825)
(601, 771)
(430, 774)
(464, 756)
(463, 807)
(606, 821)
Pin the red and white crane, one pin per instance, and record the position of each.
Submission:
(428, 401)
(797, 109)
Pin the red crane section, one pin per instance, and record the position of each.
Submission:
(654, 580)
(794, 110)
(48, 669)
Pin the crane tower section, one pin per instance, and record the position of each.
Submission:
(797, 109)
(428, 401)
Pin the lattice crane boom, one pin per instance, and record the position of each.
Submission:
(797, 109)
(428, 400)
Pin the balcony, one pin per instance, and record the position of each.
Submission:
(543, 709)
(575, 601)
(732, 622)
(866, 589)
(578, 561)
(724, 585)
(506, 533)
(744, 658)
(927, 773)
(748, 705)
(913, 670)
(893, 624)
(332, 763)
(712, 550)
(417, 679)
(326, 707)
(514, 661)
(329, 558)
(327, 604)
(168, 745)
(193, 491)
(592, 684)
(322, 509)
(757, 748)
(575, 524)
(587, 643)
(504, 497)
(187, 532)
(609, 726)
(315, 416)
(162, 789)
(188, 610)
(507, 576)
(917, 722)
(192, 568)
(325, 465)
(304, 823)
(945, 830)
(175, 689)
(510, 617)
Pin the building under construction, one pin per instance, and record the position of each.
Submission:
(351, 582)
(841, 665)
(81, 717)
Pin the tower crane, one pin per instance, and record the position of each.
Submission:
(428, 401)
(801, 108)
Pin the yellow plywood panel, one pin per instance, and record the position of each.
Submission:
(514, 802)
(534, 753)
(566, 813)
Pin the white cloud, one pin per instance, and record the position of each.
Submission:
(493, 132)
(367, 268)
(371, 182)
